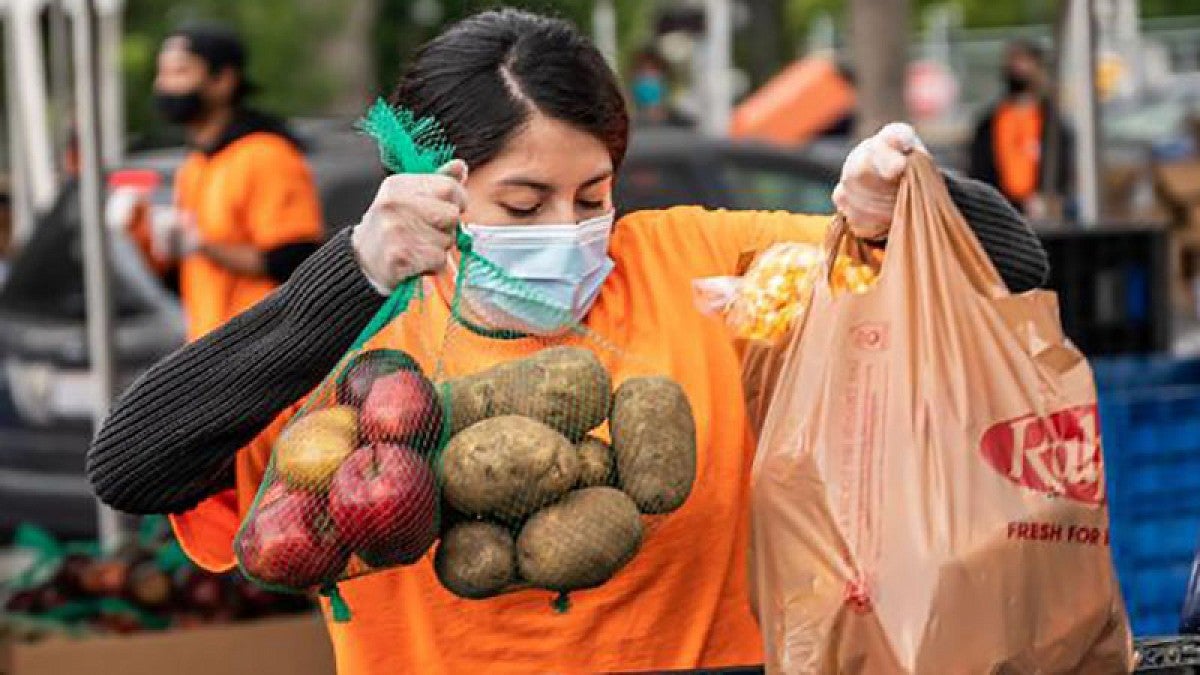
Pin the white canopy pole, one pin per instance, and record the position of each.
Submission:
(19, 189)
(96, 268)
(1079, 76)
(718, 26)
(604, 31)
(112, 101)
(25, 36)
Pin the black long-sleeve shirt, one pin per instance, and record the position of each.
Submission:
(170, 440)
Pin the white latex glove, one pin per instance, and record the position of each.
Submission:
(174, 234)
(187, 237)
(1036, 208)
(120, 207)
(866, 193)
(410, 225)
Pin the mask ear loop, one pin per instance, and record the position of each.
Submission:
(465, 244)
(466, 249)
(467, 256)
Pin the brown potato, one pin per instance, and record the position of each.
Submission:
(507, 467)
(476, 560)
(654, 441)
(595, 463)
(566, 388)
(580, 542)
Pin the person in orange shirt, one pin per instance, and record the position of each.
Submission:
(246, 210)
(540, 129)
(1009, 148)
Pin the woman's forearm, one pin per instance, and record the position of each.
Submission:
(244, 259)
(170, 439)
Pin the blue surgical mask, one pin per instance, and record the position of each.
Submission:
(560, 269)
(648, 91)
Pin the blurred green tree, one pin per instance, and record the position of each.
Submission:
(330, 56)
(799, 14)
(403, 25)
(281, 35)
(301, 50)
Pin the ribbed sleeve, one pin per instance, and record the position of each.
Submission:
(170, 439)
(1004, 234)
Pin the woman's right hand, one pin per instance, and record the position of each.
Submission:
(410, 225)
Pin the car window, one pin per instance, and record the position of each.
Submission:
(345, 197)
(781, 188)
(653, 184)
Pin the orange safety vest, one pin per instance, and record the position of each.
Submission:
(256, 190)
(683, 601)
(1017, 143)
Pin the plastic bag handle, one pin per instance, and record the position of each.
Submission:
(942, 238)
(922, 189)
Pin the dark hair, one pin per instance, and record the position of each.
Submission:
(485, 75)
(1028, 48)
(652, 58)
(220, 47)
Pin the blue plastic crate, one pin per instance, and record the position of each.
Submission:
(1166, 540)
(1152, 451)
(1155, 624)
(1119, 372)
(1154, 595)
(1150, 427)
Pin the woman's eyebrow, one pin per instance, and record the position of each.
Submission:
(600, 177)
(540, 186)
(527, 183)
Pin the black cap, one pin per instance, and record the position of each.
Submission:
(1028, 48)
(219, 46)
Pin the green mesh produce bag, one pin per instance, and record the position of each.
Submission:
(508, 458)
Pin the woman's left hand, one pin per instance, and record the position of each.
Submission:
(866, 193)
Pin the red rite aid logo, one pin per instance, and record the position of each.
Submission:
(1058, 455)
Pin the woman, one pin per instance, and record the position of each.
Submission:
(537, 118)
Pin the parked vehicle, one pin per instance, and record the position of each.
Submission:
(45, 413)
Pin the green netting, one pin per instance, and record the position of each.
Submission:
(354, 435)
(515, 450)
(406, 144)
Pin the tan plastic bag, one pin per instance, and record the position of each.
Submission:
(928, 494)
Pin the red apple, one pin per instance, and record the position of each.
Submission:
(185, 621)
(120, 624)
(69, 576)
(49, 598)
(383, 500)
(291, 542)
(402, 408)
(204, 593)
(105, 578)
(148, 585)
(355, 380)
(22, 602)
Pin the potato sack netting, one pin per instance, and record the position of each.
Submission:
(511, 458)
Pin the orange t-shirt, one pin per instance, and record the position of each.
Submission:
(1017, 143)
(258, 190)
(683, 601)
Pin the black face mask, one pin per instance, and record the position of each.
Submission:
(180, 108)
(1016, 84)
